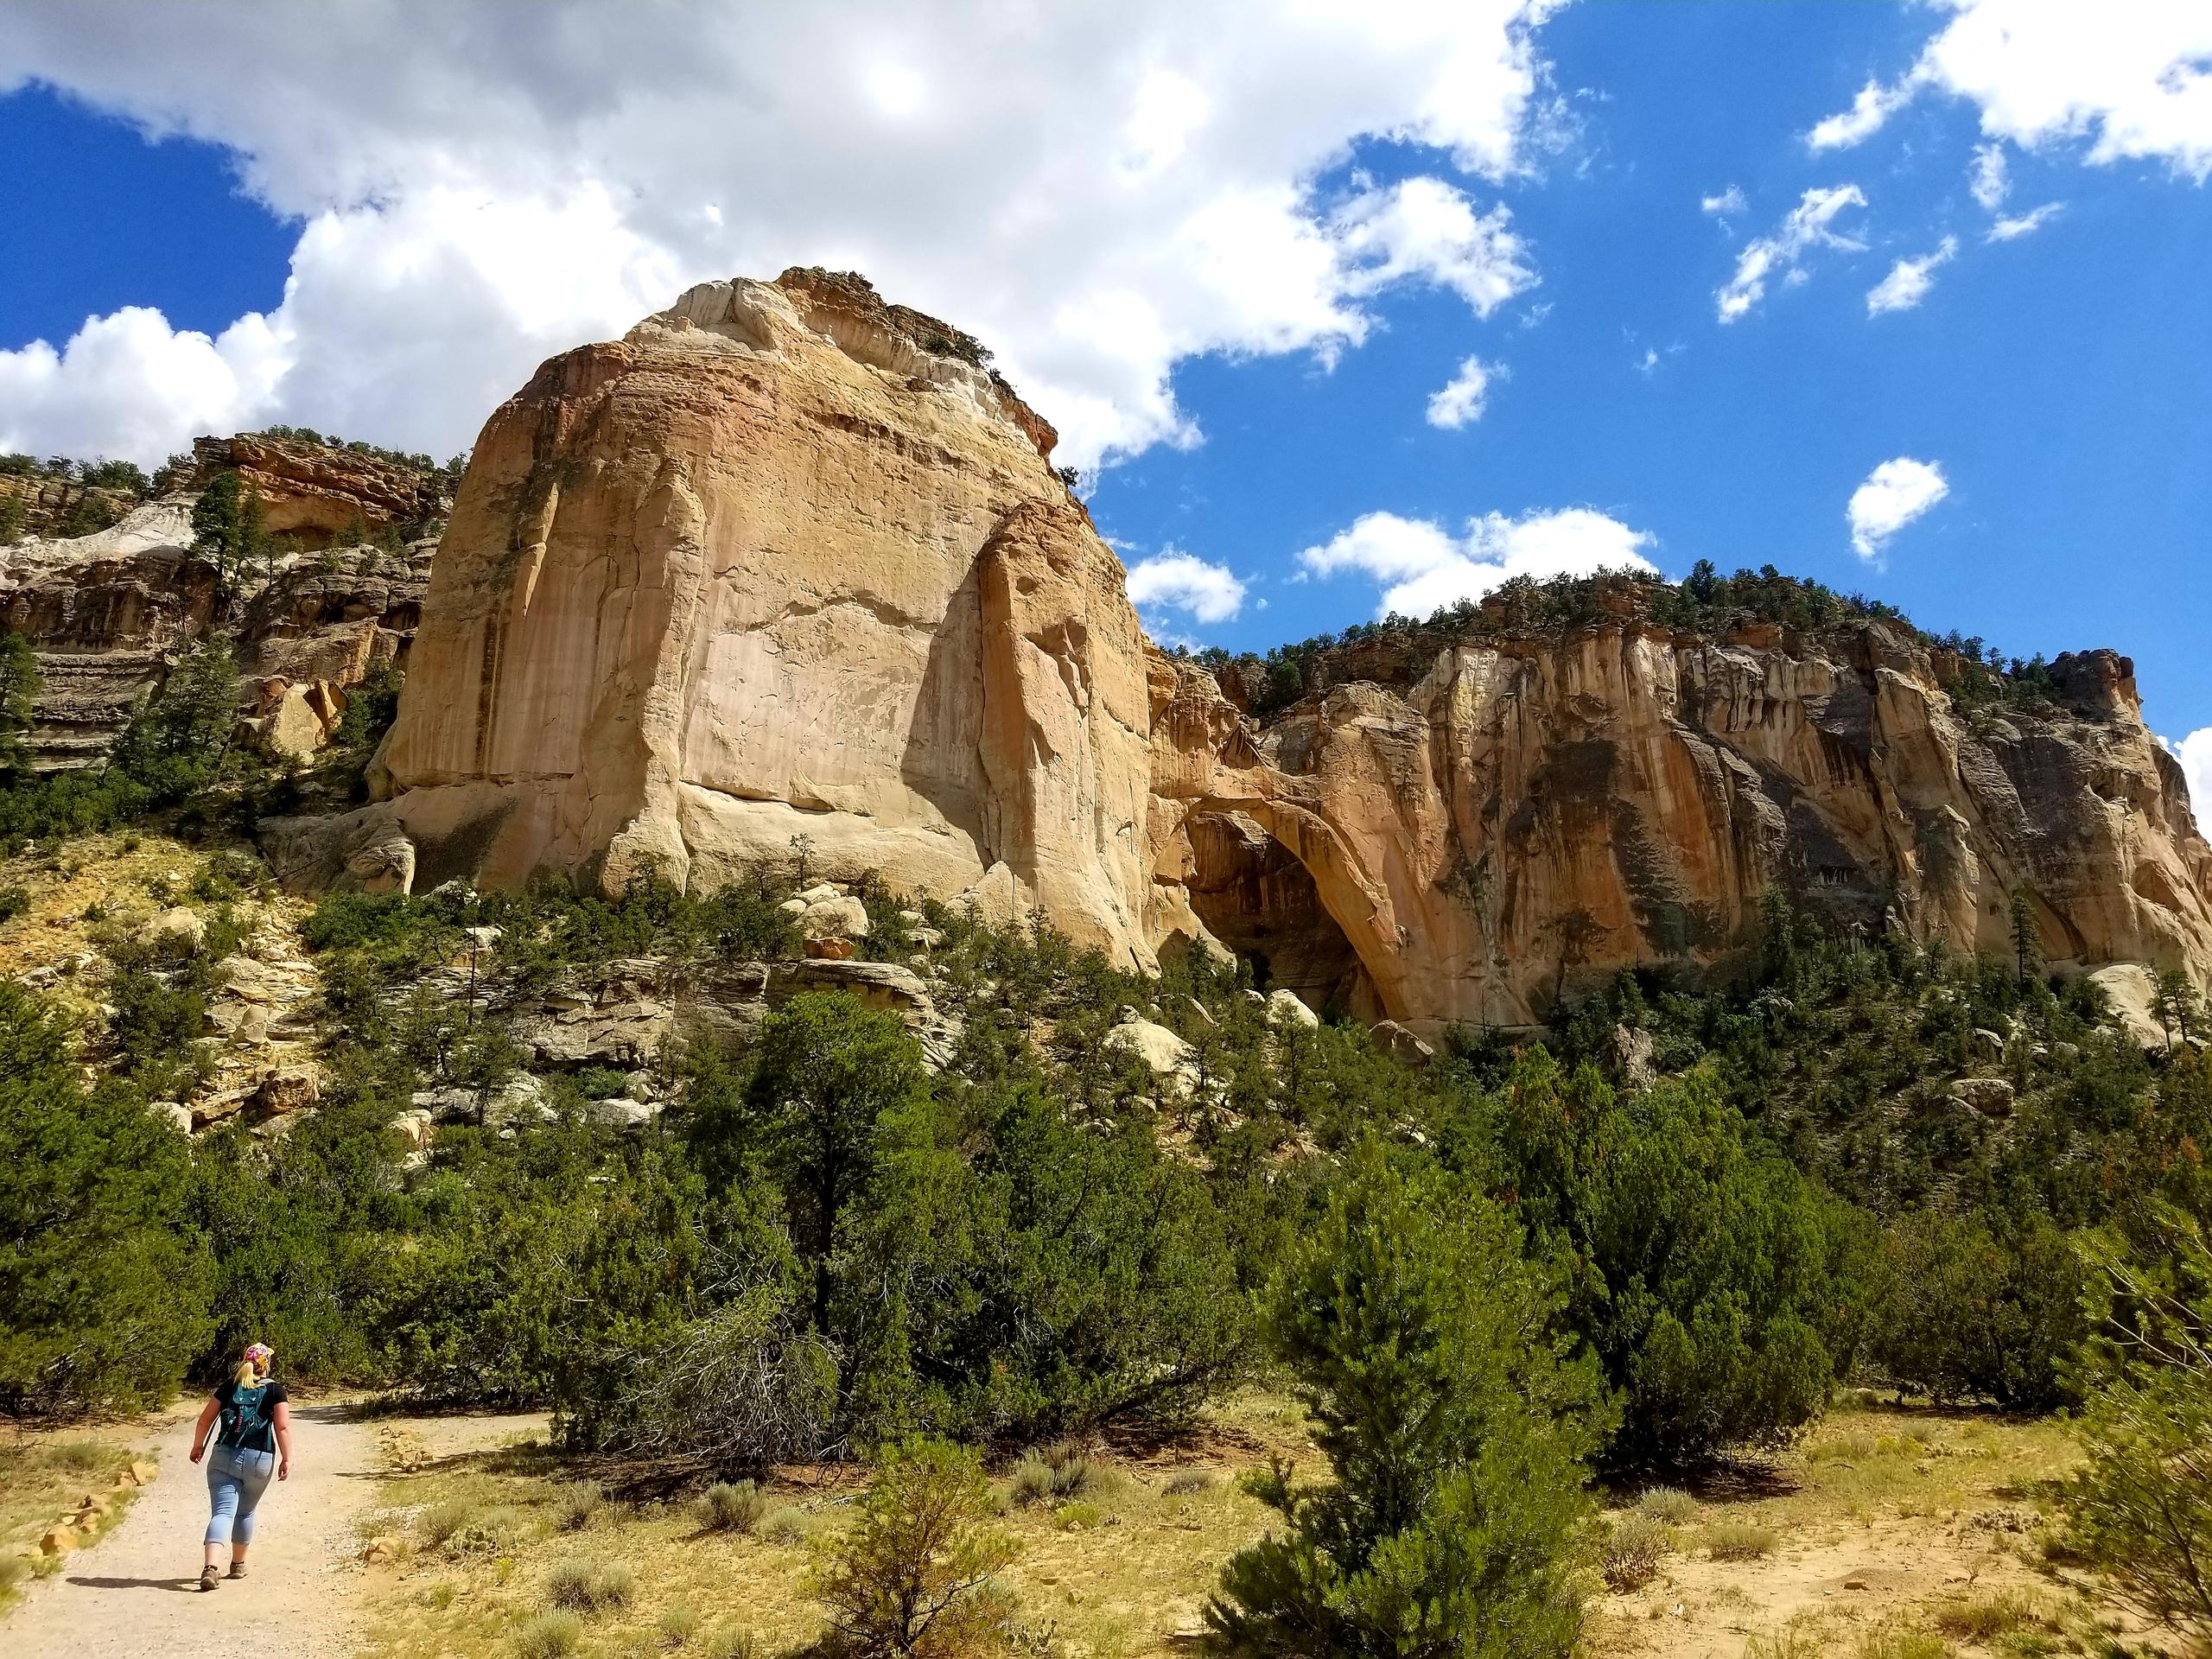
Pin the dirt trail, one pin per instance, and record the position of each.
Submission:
(137, 1592)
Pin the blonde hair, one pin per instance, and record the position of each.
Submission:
(251, 1368)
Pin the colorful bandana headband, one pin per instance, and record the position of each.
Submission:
(261, 1355)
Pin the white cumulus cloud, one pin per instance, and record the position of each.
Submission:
(1097, 193)
(1908, 280)
(1173, 581)
(1781, 255)
(2134, 80)
(2195, 754)
(1895, 494)
(1424, 567)
(1726, 205)
(1460, 400)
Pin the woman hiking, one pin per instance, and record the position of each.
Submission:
(253, 1440)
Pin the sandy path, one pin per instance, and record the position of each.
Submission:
(136, 1592)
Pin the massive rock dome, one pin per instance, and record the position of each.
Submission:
(788, 568)
(786, 565)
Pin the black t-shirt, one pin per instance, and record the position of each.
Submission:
(248, 1418)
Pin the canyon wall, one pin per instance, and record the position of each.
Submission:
(787, 570)
(1527, 815)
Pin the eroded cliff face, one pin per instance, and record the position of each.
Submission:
(783, 566)
(786, 568)
(1520, 817)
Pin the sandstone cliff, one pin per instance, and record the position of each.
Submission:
(1513, 818)
(788, 568)
(784, 565)
(313, 491)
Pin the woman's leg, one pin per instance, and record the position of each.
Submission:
(223, 1492)
(254, 1470)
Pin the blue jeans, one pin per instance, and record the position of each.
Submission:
(236, 1480)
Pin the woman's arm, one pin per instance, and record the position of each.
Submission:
(284, 1440)
(199, 1429)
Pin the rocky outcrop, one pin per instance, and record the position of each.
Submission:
(109, 613)
(105, 613)
(1515, 818)
(317, 492)
(784, 568)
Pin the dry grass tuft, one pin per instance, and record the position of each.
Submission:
(1987, 1619)
(1669, 1506)
(579, 1505)
(1633, 1547)
(547, 1635)
(733, 1506)
(730, 1642)
(785, 1526)
(677, 1625)
(1903, 1644)
(590, 1587)
(1738, 1540)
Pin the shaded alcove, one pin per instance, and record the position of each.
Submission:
(1254, 896)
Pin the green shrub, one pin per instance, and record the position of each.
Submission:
(2140, 1507)
(731, 1506)
(1455, 1441)
(914, 1573)
(1719, 1289)
(1189, 1483)
(14, 902)
(1981, 1306)
(105, 1280)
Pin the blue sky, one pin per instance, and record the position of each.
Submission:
(1236, 266)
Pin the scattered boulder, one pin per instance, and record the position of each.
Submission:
(832, 915)
(416, 1127)
(622, 1114)
(1401, 1044)
(1991, 1097)
(174, 1113)
(1990, 1045)
(1168, 1055)
(2132, 995)
(1289, 1008)
(286, 1089)
(178, 926)
(1632, 1057)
